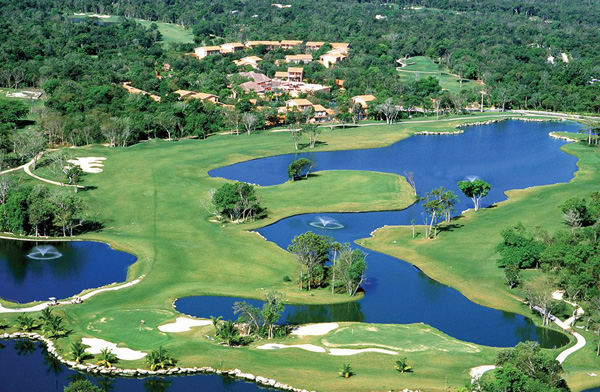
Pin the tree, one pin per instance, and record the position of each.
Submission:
(106, 358)
(312, 131)
(237, 201)
(350, 268)
(298, 168)
(68, 211)
(475, 190)
(527, 368)
(160, 359)
(249, 120)
(519, 248)
(388, 109)
(296, 134)
(346, 371)
(312, 251)
(437, 203)
(27, 145)
(271, 311)
(78, 352)
(511, 275)
(538, 294)
(228, 332)
(248, 315)
(402, 366)
(26, 323)
(82, 386)
(575, 212)
(234, 119)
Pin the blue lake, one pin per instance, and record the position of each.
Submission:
(27, 367)
(31, 271)
(509, 155)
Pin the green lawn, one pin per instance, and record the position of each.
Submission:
(423, 67)
(148, 198)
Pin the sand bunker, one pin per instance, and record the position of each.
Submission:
(89, 164)
(349, 351)
(315, 329)
(126, 354)
(183, 324)
(478, 371)
(307, 347)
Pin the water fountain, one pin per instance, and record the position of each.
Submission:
(472, 178)
(326, 223)
(44, 252)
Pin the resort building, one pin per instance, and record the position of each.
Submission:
(258, 78)
(289, 44)
(298, 58)
(295, 74)
(204, 51)
(270, 45)
(186, 94)
(133, 90)
(281, 75)
(312, 46)
(232, 47)
(332, 57)
(300, 104)
(252, 61)
(363, 102)
(321, 114)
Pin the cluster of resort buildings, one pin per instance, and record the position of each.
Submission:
(290, 83)
(337, 53)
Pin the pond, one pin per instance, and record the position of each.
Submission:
(35, 271)
(509, 155)
(26, 366)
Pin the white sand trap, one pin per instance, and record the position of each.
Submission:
(96, 345)
(307, 347)
(315, 329)
(99, 16)
(478, 371)
(89, 164)
(183, 324)
(349, 351)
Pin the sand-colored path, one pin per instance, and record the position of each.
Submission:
(84, 297)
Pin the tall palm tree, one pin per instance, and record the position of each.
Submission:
(335, 247)
(106, 358)
(160, 359)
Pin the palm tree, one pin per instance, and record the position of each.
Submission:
(346, 371)
(402, 366)
(46, 316)
(229, 333)
(26, 323)
(106, 358)
(54, 327)
(3, 324)
(78, 352)
(160, 359)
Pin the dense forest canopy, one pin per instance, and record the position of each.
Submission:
(524, 54)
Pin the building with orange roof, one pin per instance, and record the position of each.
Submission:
(289, 44)
(204, 51)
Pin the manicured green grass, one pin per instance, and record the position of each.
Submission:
(467, 246)
(340, 191)
(423, 67)
(148, 198)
